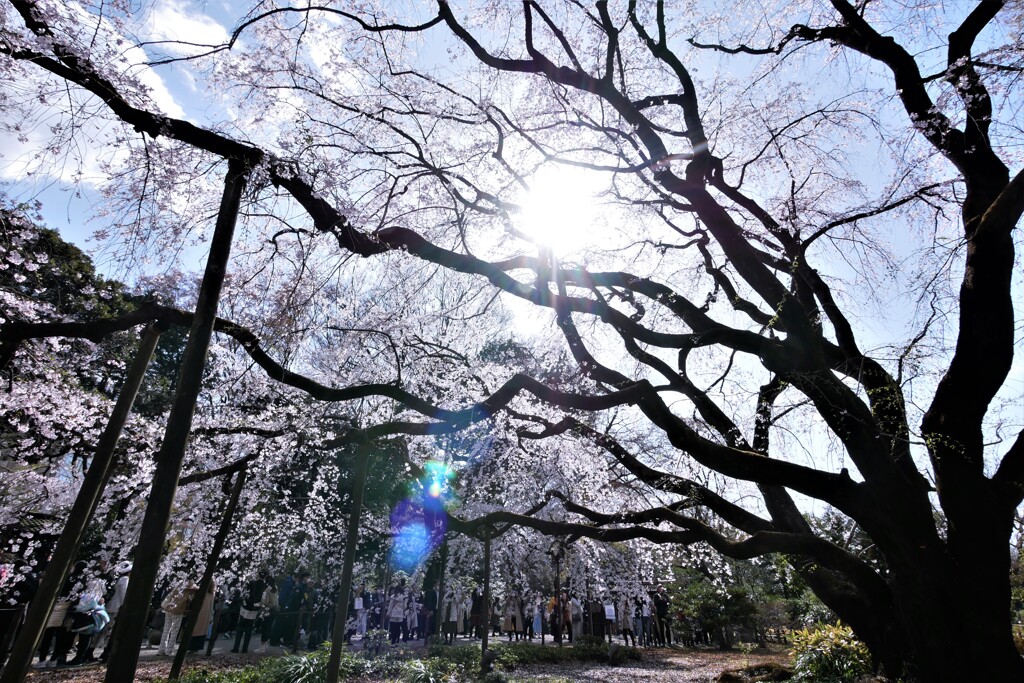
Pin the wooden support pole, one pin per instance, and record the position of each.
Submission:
(341, 608)
(84, 507)
(204, 583)
(131, 621)
(440, 592)
(486, 590)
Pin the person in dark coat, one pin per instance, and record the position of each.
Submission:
(477, 614)
(298, 602)
(249, 610)
(56, 631)
(661, 609)
(283, 623)
(431, 602)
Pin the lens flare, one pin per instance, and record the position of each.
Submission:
(419, 522)
(410, 547)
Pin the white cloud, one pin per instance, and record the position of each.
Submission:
(158, 89)
(175, 20)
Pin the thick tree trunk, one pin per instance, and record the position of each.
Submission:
(131, 622)
(957, 625)
(943, 625)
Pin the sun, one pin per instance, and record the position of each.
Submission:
(561, 209)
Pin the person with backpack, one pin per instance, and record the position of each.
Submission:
(174, 606)
(88, 619)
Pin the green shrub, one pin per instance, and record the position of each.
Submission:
(433, 671)
(585, 640)
(466, 657)
(1018, 638)
(829, 654)
(310, 668)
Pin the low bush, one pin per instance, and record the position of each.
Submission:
(309, 668)
(829, 654)
(433, 671)
(464, 656)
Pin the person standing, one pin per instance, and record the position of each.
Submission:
(566, 612)
(282, 630)
(645, 621)
(174, 606)
(88, 619)
(57, 631)
(113, 605)
(291, 614)
(431, 604)
(575, 616)
(451, 614)
(538, 618)
(609, 616)
(625, 612)
(248, 611)
(395, 610)
(205, 606)
(360, 605)
(476, 613)
(514, 615)
(270, 607)
(661, 609)
(495, 616)
(412, 611)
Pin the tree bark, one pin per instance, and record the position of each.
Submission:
(207, 579)
(341, 609)
(88, 498)
(131, 622)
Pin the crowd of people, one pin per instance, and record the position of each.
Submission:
(293, 612)
(81, 619)
(407, 613)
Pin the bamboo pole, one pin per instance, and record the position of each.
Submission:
(131, 622)
(84, 507)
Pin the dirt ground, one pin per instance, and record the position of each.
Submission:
(661, 666)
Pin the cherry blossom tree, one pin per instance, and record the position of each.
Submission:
(765, 188)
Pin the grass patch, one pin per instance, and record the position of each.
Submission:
(514, 655)
(442, 664)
